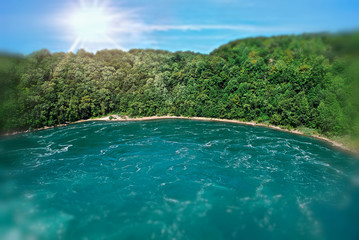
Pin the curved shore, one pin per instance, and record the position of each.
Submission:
(114, 117)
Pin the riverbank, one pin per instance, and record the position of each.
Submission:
(333, 143)
(118, 118)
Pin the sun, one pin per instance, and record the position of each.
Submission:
(99, 24)
(91, 25)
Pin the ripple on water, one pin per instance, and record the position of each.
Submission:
(175, 179)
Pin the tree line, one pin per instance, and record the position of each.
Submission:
(308, 80)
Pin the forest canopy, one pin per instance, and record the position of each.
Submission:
(308, 80)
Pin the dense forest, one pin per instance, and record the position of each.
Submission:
(309, 80)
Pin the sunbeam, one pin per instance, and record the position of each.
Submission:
(94, 25)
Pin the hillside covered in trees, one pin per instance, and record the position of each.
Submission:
(309, 80)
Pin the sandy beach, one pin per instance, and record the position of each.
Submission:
(117, 118)
(294, 131)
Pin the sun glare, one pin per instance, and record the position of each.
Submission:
(91, 25)
(94, 25)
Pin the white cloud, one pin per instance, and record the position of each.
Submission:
(126, 27)
(194, 27)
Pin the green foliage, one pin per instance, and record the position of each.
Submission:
(308, 81)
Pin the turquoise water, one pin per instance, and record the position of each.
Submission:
(175, 179)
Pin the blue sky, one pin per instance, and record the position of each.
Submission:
(195, 25)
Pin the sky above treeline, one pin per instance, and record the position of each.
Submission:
(194, 25)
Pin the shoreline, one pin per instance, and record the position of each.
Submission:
(117, 118)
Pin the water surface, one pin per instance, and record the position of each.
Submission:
(175, 179)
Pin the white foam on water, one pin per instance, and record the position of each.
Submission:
(100, 130)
